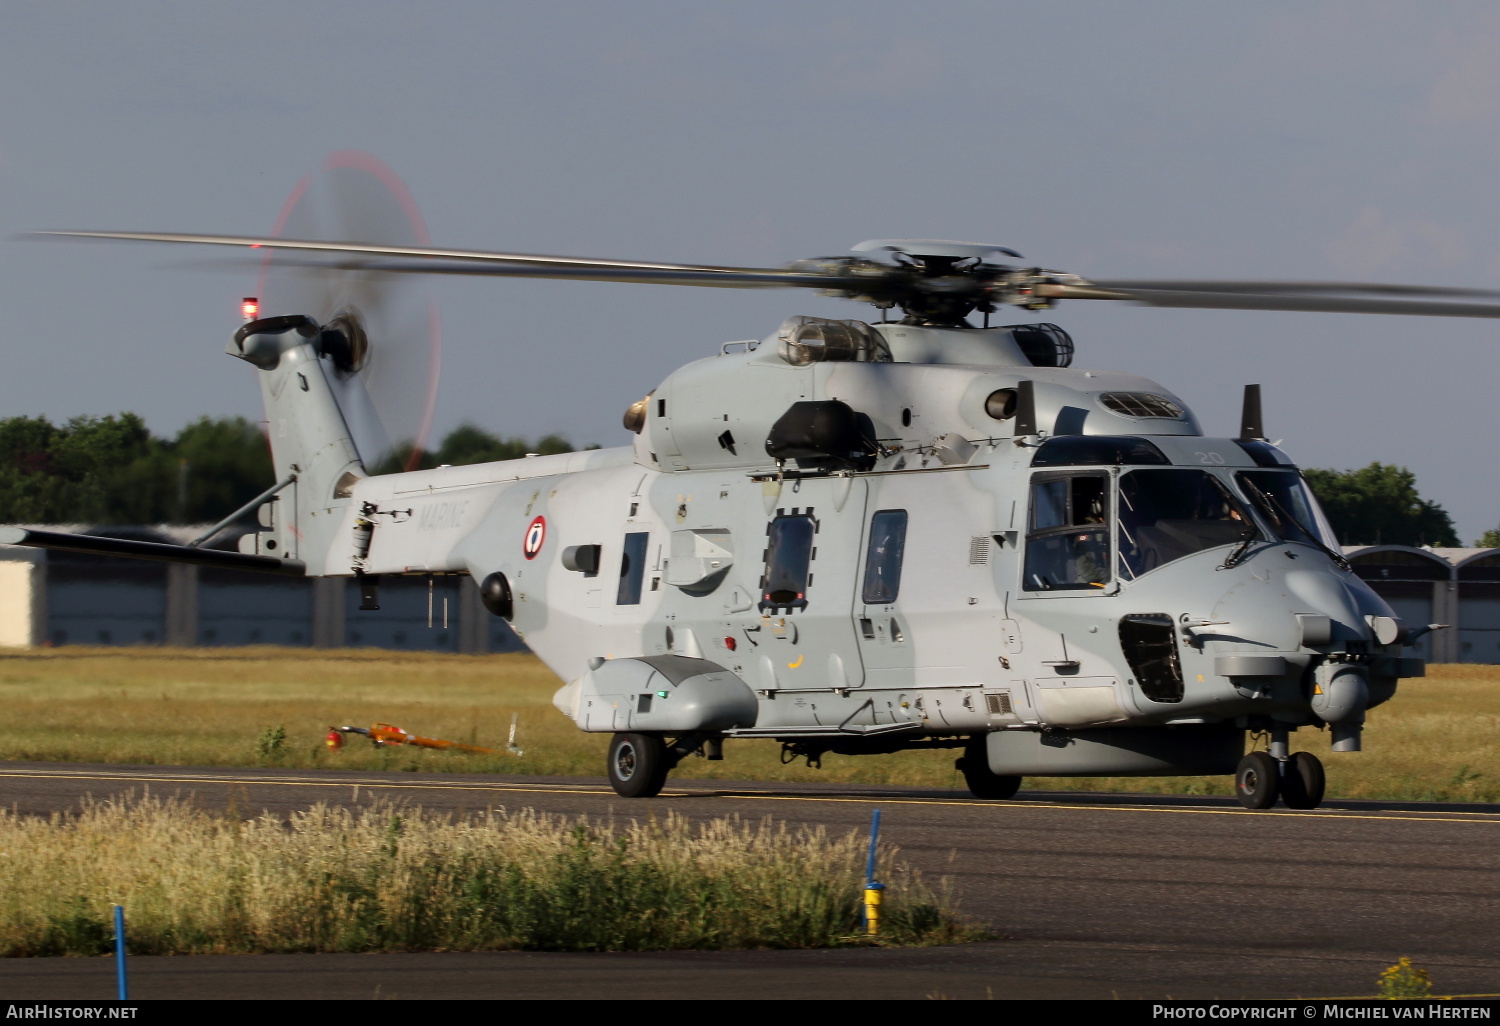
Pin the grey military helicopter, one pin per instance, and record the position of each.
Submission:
(862, 538)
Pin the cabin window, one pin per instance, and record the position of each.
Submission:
(883, 559)
(1168, 514)
(632, 568)
(789, 553)
(1067, 545)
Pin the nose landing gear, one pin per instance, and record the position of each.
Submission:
(1302, 781)
(1262, 777)
(1257, 781)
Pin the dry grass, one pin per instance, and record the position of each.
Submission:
(396, 879)
(1438, 739)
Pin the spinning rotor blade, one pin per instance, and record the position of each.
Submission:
(485, 262)
(727, 278)
(936, 288)
(1292, 297)
(1297, 286)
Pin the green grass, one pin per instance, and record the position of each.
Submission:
(1438, 739)
(390, 878)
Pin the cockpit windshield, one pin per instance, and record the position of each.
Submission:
(1288, 506)
(1168, 514)
(1163, 515)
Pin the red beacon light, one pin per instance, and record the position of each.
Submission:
(250, 308)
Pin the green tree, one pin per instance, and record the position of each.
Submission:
(113, 470)
(1379, 505)
(1489, 539)
(223, 463)
(69, 473)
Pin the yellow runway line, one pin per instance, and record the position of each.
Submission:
(1404, 816)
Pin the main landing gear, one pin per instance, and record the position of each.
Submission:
(974, 764)
(638, 764)
(1262, 777)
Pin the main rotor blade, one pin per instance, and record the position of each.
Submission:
(1328, 297)
(1303, 287)
(1271, 301)
(417, 252)
(724, 279)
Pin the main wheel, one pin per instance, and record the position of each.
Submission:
(637, 765)
(1256, 781)
(1302, 782)
(975, 766)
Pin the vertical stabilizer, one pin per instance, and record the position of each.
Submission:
(310, 439)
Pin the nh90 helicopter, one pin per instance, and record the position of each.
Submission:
(861, 538)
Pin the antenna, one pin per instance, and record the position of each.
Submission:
(1026, 408)
(1252, 425)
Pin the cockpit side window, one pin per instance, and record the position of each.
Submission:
(1168, 514)
(789, 554)
(1067, 543)
(1287, 504)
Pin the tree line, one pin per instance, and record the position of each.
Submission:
(112, 470)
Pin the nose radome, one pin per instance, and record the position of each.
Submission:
(1322, 592)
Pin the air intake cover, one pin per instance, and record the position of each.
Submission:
(1141, 404)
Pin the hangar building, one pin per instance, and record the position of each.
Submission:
(63, 598)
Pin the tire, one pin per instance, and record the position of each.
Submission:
(637, 765)
(1257, 780)
(1302, 783)
(975, 766)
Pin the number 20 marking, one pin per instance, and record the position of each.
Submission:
(1209, 457)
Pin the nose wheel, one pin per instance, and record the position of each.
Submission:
(1297, 780)
(1257, 781)
(1302, 781)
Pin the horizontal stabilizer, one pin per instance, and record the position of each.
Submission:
(158, 551)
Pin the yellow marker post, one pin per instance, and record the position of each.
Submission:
(873, 894)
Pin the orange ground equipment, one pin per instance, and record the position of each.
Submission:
(381, 734)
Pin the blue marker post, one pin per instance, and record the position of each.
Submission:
(872, 888)
(120, 950)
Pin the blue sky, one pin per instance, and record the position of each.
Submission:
(1350, 141)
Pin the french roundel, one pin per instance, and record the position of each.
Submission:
(535, 535)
